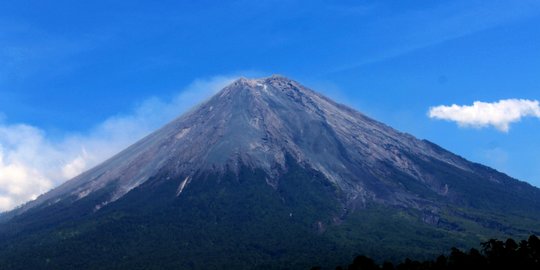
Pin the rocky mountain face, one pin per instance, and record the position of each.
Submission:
(223, 184)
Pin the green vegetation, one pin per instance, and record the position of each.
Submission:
(239, 221)
(216, 223)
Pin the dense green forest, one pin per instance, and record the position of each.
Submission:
(495, 254)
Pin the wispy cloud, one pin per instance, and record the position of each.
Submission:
(483, 114)
(417, 29)
(31, 162)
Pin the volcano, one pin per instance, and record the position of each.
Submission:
(267, 174)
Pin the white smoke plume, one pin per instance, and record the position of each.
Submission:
(32, 163)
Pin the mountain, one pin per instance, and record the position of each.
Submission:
(267, 174)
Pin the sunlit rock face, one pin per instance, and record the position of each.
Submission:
(257, 123)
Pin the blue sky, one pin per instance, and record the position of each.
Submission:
(79, 80)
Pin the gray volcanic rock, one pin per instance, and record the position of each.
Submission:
(257, 123)
(268, 158)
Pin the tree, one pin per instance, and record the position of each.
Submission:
(495, 254)
(363, 263)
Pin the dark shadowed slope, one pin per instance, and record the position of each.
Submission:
(268, 172)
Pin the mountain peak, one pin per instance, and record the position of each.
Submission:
(270, 155)
(261, 123)
(254, 82)
(245, 91)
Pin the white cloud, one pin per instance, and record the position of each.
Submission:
(18, 181)
(31, 163)
(483, 114)
(76, 166)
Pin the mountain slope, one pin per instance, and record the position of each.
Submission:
(268, 173)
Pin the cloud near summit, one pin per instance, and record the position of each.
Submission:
(484, 114)
(31, 162)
